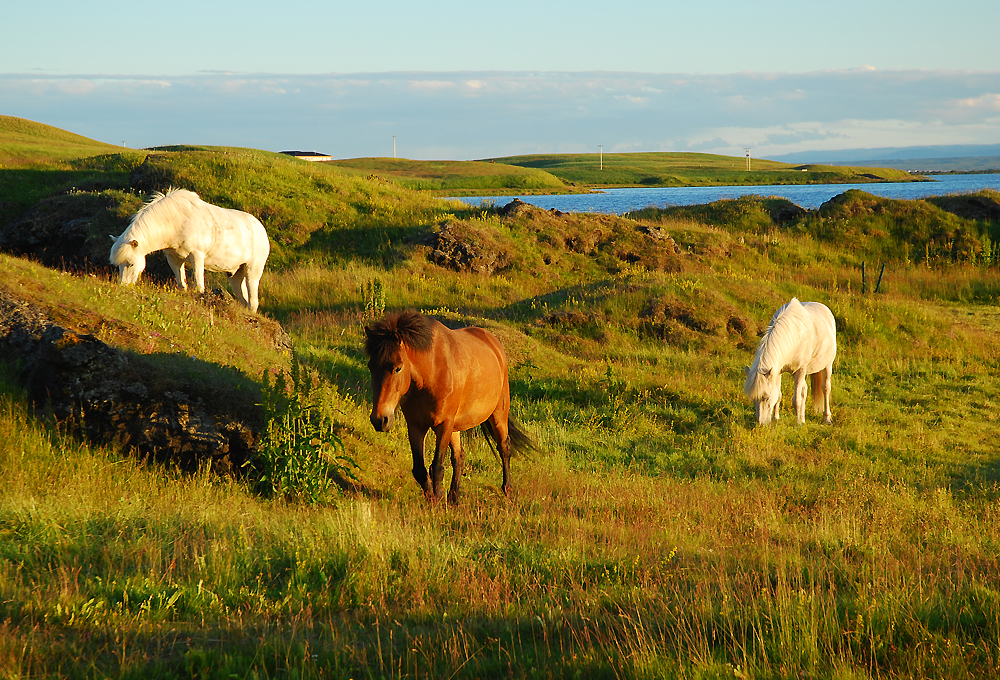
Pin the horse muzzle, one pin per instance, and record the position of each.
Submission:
(381, 423)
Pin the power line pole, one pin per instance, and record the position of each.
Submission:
(748, 157)
(394, 146)
(601, 147)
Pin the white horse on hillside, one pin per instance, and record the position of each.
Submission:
(199, 234)
(801, 340)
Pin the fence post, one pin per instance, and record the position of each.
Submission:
(879, 284)
(863, 281)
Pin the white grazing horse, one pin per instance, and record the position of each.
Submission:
(199, 234)
(801, 340)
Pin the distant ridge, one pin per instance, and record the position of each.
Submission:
(919, 165)
(895, 154)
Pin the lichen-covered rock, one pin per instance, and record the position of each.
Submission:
(462, 247)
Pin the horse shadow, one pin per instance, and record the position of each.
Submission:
(977, 480)
(382, 246)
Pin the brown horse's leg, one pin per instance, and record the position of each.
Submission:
(457, 465)
(501, 434)
(416, 435)
(443, 432)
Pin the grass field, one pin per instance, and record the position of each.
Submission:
(655, 533)
(457, 178)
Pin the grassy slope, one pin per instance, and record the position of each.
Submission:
(24, 143)
(692, 169)
(37, 160)
(654, 534)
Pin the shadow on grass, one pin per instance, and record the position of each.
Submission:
(347, 644)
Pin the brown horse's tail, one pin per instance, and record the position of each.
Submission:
(519, 441)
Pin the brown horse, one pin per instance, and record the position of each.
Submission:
(445, 380)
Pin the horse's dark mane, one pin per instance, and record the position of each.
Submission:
(408, 328)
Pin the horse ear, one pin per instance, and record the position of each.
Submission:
(112, 237)
(746, 371)
(134, 243)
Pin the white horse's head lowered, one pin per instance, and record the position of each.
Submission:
(779, 343)
(125, 255)
(130, 249)
(763, 386)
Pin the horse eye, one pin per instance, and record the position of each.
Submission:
(397, 369)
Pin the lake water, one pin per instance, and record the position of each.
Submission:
(809, 196)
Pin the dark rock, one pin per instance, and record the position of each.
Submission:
(783, 211)
(659, 234)
(114, 396)
(515, 207)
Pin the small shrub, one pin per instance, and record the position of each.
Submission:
(300, 452)
(374, 294)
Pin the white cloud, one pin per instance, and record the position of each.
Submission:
(986, 102)
(431, 85)
(486, 114)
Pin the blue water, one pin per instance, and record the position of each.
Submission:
(809, 196)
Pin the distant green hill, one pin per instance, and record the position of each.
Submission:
(571, 173)
(692, 169)
(456, 177)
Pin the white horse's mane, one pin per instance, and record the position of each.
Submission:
(151, 222)
(781, 339)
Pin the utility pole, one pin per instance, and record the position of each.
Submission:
(394, 147)
(601, 147)
(748, 157)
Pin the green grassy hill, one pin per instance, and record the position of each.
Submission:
(655, 533)
(692, 169)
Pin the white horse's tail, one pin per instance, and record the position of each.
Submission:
(819, 403)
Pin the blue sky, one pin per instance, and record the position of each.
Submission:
(473, 80)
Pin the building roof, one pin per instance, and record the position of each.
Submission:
(309, 155)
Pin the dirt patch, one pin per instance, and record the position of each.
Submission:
(679, 322)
